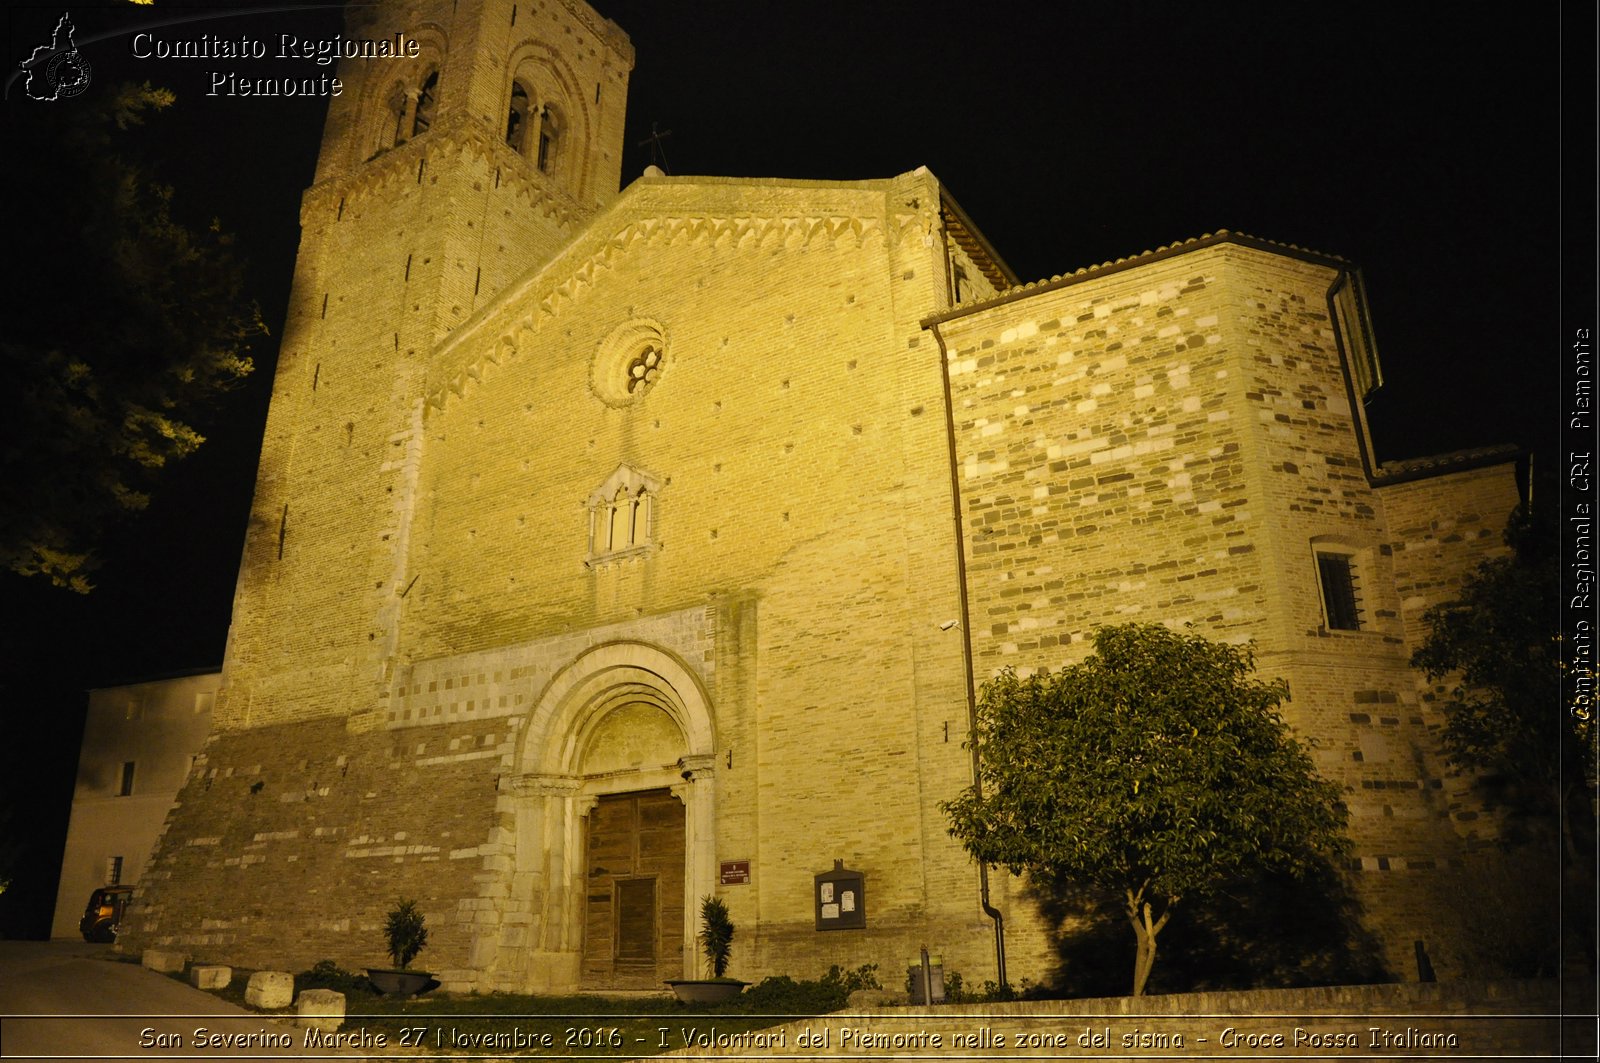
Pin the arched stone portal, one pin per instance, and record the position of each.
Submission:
(612, 805)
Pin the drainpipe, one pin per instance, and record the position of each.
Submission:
(966, 647)
(1358, 403)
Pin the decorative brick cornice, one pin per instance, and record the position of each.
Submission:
(452, 138)
(495, 336)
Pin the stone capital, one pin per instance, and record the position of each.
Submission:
(540, 784)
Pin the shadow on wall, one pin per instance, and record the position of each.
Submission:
(1271, 932)
(1503, 898)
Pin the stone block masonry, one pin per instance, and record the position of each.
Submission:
(294, 841)
(270, 990)
(1176, 443)
(591, 526)
(166, 961)
(320, 1009)
(210, 976)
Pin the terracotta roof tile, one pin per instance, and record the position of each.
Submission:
(1440, 464)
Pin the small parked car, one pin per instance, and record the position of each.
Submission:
(102, 917)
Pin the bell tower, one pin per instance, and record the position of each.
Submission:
(443, 175)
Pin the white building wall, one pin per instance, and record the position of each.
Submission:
(159, 727)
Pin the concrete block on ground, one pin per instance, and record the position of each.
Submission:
(270, 989)
(167, 961)
(321, 1009)
(210, 976)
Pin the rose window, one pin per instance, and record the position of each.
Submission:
(628, 362)
(644, 369)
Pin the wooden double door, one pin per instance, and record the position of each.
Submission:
(633, 907)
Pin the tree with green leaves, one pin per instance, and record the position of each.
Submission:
(716, 935)
(406, 932)
(1498, 649)
(121, 324)
(1498, 656)
(1157, 770)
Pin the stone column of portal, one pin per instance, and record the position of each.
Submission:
(698, 795)
(564, 901)
(548, 878)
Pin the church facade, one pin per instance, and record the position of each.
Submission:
(611, 550)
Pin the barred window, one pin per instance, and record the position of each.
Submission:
(1341, 601)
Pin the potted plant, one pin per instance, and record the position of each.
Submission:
(407, 932)
(716, 944)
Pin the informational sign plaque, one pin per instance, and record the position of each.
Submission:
(840, 898)
(736, 872)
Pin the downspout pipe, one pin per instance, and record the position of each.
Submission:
(966, 647)
(1346, 348)
(1358, 403)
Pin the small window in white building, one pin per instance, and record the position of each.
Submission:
(622, 514)
(127, 779)
(1341, 598)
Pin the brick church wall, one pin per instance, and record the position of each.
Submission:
(1170, 439)
(1170, 442)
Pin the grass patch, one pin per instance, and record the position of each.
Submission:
(514, 1024)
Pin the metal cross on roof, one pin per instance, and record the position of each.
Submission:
(658, 152)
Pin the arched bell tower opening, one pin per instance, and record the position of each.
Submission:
(549, 118)
(613, 806)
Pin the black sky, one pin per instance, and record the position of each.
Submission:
(1423, 142)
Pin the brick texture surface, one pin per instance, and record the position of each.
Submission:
(428, 644)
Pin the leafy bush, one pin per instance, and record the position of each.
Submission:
(956, 990)
(782, 995)
(325, 974)
(863, 977)
(716, 935)
(406, 931)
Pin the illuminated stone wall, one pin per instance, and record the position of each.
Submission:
(789, 629)
(1173, 442)
(404, 236)
(567, 495)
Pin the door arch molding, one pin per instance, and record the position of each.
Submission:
(550, 794)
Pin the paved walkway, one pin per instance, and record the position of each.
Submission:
(68, 1000)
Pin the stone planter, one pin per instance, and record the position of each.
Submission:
(391, 983)
(706, 990)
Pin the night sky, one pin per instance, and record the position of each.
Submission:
(1423, 142)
